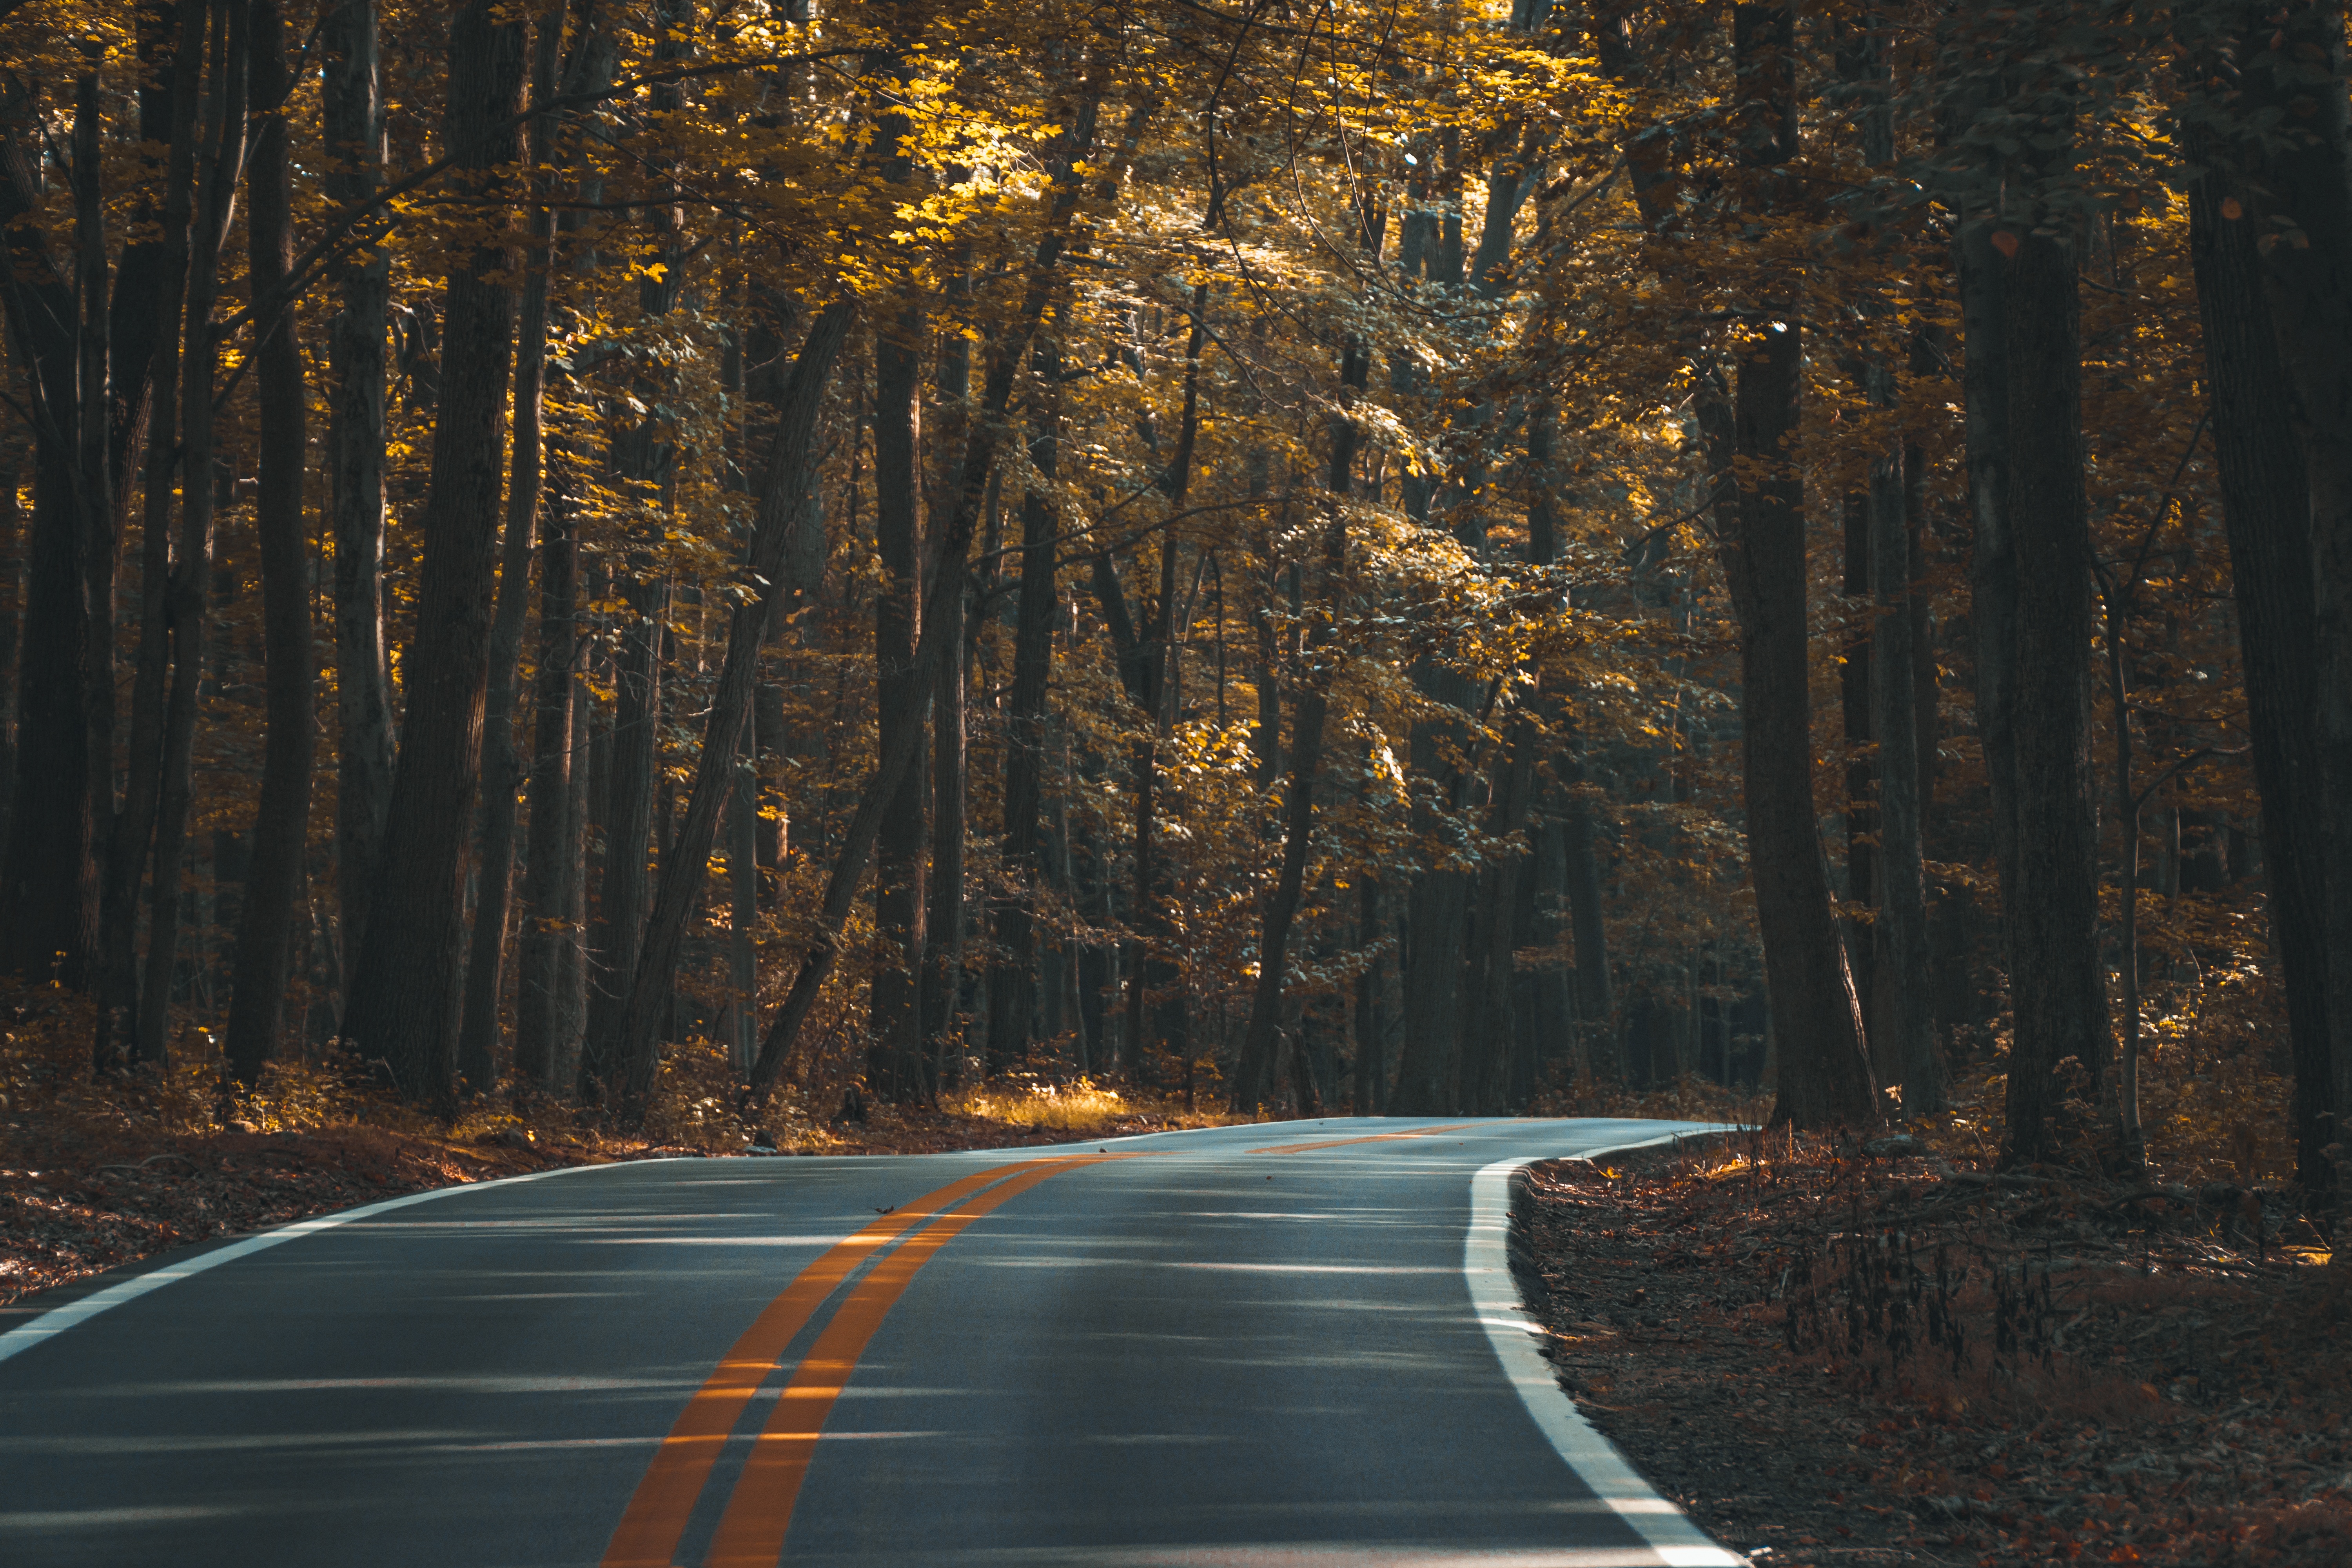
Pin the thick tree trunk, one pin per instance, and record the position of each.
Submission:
(405, 989)
(2056, 976)
(352, 109)
(281, 828)
(2267, 508)
(1824, 1063)
(2293, 61)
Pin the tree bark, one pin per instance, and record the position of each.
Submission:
(134, 831)
(1012, 983)
(190, 582)
(502, 772)
(2266, 510)
(405, 989)
(1905, 1006)
(352, 109)
(613, 971)
(2056, 979)
(894, 1070)
(2293, 61)
(552, 870)
(282, 830)
(1824, 1063)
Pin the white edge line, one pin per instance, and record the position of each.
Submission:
(1598, 1463)
(57, 1320)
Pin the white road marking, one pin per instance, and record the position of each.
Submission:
(1668, 1531)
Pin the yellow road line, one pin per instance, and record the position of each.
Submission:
(1372, 1138)
(657, 1512)
(752, 1533)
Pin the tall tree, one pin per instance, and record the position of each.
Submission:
(281, 831)
(407, 986)
(1824, 1065)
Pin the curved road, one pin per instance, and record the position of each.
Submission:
(1294, 1344)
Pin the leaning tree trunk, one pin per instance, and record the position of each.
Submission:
(282, 823)
(404, 990)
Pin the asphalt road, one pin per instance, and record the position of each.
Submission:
(1290, 1344)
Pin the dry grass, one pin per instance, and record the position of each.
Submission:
(1079, 1106)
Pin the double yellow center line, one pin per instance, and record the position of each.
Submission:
(759, 1510)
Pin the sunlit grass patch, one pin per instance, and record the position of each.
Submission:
(1069, 1107)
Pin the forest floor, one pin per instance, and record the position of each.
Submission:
(1834, 1357)
(90, 1182)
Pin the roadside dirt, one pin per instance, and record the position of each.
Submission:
(1833, 1359)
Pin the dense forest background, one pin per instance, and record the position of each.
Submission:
(1428, 558)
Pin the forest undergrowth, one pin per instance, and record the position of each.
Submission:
(1837, 1350)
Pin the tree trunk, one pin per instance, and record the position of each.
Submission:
(134, 832)
(478, 1028)
(2306, 208)
(1824, 1063)
(352, 109)
(1861, 778)
(1012, 983)
(405, 989)
(1490, 1028)
(894, 1067)
(943, 921)
(1436, 909)
(281, 824)
(1905, 1003)
(551, 866)
(191, 581)
(2055, 975)
(613, 971)
(2266, 509)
